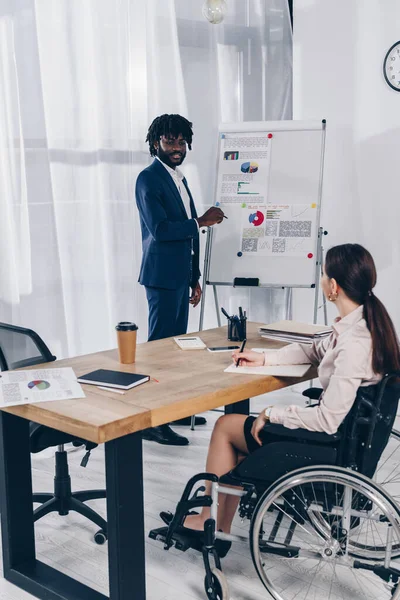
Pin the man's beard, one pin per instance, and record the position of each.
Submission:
(166, 157)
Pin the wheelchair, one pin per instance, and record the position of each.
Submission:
(323, 523)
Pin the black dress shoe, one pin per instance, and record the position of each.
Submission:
(196, 536)
(188, 421)
(164, 435)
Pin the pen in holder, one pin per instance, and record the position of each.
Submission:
(236, 326)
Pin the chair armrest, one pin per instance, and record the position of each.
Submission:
(42, 437)
(319, 437)
(313, 393)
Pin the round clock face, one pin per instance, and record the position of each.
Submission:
(391, 67)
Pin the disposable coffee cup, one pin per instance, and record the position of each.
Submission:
(126, 336)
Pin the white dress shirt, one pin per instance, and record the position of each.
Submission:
(344, 361)
(178, 177)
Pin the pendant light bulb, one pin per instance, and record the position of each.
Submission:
(214, 11)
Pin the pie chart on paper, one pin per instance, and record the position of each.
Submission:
(249, 167)
(38, 384)
(256, 218)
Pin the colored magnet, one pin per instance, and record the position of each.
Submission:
(310, 255)
(244, 205)
(270, 136)
(217, 204)
(240, 254)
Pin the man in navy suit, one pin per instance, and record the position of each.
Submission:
(170, 240)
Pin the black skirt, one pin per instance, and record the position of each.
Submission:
(266, 436)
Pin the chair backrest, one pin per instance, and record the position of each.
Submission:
(21, 347)
(367, 428)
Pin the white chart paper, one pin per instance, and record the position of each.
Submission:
(278, 229)
(243, 170)
(273, 371)
(38, 385)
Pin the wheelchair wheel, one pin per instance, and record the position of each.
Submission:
(388, 470)
(297, 557)
(217, 588)
(388, 476)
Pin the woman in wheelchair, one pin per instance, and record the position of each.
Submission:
(361, 349)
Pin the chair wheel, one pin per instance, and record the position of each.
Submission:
(100, 537)
(217, 589)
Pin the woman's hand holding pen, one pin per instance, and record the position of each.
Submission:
(249, 358)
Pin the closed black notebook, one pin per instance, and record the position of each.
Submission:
(114, 379)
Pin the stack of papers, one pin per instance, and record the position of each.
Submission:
(293, 331)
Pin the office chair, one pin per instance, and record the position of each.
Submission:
(22, 348)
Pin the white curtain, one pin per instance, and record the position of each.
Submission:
(15, 246)
(80, 83)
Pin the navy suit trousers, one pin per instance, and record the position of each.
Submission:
(168, 311)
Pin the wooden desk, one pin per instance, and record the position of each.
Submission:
(190, 382)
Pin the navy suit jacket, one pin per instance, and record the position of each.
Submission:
(168, 236)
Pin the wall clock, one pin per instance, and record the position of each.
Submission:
(391, 67)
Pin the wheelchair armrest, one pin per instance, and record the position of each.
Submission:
(313, 393)
(319, 437)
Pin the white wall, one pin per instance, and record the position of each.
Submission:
(339, 47)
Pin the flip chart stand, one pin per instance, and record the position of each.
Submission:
(254, 282)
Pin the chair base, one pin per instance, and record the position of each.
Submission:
(63, 500)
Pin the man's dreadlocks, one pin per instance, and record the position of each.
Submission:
(169, 126)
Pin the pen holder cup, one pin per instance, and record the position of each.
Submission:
(236, 330)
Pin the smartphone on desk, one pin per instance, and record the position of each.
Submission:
(223, 348)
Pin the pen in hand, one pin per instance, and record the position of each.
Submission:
(240, 351)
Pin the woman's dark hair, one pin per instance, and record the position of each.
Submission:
(169, 126)
(353, 268)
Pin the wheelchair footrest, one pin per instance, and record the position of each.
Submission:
(280, 550)
(180, 541)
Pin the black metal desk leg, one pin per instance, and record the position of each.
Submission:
(125, 517)
(17, 527)
(238, 408)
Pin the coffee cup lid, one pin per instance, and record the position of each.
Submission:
(126, 326)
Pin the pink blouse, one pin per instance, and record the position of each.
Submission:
(344, 361)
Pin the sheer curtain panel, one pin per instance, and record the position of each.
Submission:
(79, 84)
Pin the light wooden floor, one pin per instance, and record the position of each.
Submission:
(67, 544)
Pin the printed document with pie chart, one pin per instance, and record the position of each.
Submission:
(243, 168)
(278, 229)
(38, 385)
(265, 229)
